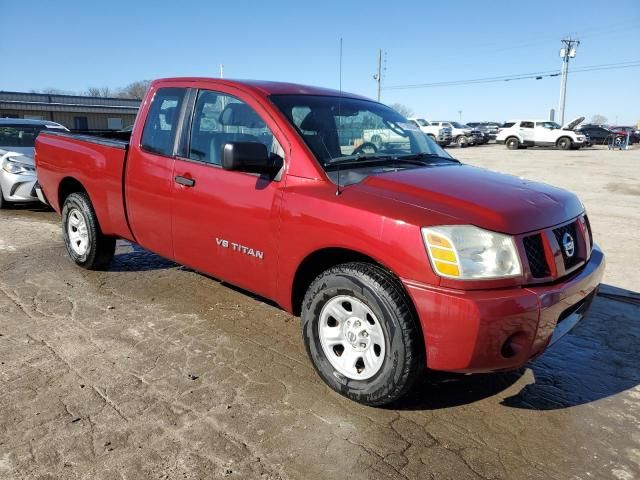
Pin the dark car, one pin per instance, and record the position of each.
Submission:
(488, 128)
(634, 133)
(599, 135)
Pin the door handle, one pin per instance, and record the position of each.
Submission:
(187, 182)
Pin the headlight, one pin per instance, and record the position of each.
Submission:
(18, 168)
(465, 252)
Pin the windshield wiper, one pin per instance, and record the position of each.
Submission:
(425, 156)
(369, 160)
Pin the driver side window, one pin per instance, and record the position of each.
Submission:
(220, 119)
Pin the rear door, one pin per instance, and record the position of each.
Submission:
(527, 132)
(148, 178)
(225, 223)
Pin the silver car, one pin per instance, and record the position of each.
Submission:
(17, 166)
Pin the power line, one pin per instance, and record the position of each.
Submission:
(512, 77)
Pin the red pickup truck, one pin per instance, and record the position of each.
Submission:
(396, 256)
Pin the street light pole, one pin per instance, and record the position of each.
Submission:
(567, 52)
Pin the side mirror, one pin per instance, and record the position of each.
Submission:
(251, 157)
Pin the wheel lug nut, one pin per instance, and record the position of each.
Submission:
(363, 345)
(365, 334)
(356, 323)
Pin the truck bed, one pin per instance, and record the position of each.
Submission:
(97, 163)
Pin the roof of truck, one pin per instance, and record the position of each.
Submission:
(264, 87)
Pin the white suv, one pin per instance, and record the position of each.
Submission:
(540, 133)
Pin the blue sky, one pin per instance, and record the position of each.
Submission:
(73, 45)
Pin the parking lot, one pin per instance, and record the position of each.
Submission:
(151, 370)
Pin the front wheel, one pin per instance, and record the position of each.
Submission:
(361, 333)
(85, 243)
(564, 143)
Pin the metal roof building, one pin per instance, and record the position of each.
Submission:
(75, 112)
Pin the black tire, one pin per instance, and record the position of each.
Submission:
(404, 358)
(3, 202)
(462, 141)
(100, 249)
(564, 143)
(512, 143)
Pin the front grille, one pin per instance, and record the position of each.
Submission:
(535, 255)
(571, 229)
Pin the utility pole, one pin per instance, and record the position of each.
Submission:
(460, 115)
(566, 52)
(221, 71)
(378, 76)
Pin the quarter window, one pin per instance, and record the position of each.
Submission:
(220, 119)
(526, 124)
(160, 128)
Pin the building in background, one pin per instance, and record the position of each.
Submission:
(73, 111)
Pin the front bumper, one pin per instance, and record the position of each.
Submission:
(18, 188)
(490, 330)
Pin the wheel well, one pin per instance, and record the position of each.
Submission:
(318, 262)
(510, 137)
(68, 186)
(563, 137)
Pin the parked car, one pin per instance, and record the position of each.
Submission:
(632, 132)
(596, 135)
(540, 133)
(441, 135)
(462, 135)
(397, 260)
(18, 173)
(490, 128)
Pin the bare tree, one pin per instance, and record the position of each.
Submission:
(599, 119)
(134, 90)
(98, 92)
(402, 109)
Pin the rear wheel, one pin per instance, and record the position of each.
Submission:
(512, 143)
(361, 334)
(85, 243)
(564, 143)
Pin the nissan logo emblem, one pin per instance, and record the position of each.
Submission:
(567, 244)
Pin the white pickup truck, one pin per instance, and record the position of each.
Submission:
(441, 135)
(541, 133)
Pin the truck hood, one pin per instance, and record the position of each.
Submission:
(19, 154)
(472, 195)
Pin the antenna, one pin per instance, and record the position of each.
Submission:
(338, 192)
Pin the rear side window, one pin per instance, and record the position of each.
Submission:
(508, 124)
(160, 128)
(526, 124)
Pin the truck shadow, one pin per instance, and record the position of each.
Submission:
(599, 359)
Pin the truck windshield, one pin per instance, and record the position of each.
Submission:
(341, 130)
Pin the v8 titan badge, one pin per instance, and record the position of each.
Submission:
(236, 247)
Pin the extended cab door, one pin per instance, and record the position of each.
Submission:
(225, 223)
(148, 179)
